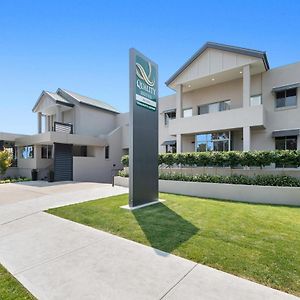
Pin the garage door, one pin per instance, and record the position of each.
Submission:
(63, 162)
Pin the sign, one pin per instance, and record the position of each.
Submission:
(146, 83)
(143, 130)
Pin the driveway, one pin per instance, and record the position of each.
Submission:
(59, 259)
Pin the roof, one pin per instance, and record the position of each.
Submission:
(234, 49)
(61, 97)
(89, 101)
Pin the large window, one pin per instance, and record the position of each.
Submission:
(169, 116)
(27, 152)
(286, 98)
(255, 100)
(286, 143)
(214, 107)
(187, 112)
(218, 141)
(46, 151)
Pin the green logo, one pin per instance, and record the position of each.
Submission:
(146, 84)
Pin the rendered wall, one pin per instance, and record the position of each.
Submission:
(233, 192)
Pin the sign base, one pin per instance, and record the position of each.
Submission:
(141, 206)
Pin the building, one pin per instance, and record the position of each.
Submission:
(226, 98)
(78, 138)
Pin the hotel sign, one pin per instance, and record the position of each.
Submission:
(143, 130)
(145, 83)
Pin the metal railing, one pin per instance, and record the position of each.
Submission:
(63, 127)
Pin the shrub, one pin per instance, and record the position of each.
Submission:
(228, 158)
(5, 161)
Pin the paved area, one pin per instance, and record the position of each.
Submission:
(59, 259)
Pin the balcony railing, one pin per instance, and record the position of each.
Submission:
(63, 127)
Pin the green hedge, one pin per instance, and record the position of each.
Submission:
(227, 159)
(13, 180)
(265, 180)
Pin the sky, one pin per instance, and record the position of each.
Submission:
(83, 45)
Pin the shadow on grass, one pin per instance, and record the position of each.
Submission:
(164, 229)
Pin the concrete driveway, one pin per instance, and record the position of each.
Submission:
(59, 259)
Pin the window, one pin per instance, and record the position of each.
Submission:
(286, 143)
(46, 151)
(80, 151)
(218, 141)
(169, 116)
(106, 150)
(187, 112)
(27, 152)
(255, 100)
(286, 98)
(171, 148)
(214, 107)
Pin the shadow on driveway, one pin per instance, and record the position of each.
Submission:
(164, 228)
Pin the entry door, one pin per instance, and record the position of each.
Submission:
(63, 162)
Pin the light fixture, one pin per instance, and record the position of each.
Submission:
(213, 79)
(189, 86)
(241, 72)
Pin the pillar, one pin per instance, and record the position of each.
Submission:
(246, 138)
(39, 119)
(178, 143)
(246, 86)
(179, 101)
(58, 114)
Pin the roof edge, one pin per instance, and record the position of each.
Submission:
(224, 47)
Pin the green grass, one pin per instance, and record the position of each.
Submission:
(257, 242)
(10, 288)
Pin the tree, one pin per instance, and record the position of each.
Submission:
(5, 160)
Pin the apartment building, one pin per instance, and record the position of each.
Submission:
(228, 98)
(78, 138)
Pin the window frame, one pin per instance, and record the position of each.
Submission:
(49, 150)
(167, 118)
(22, 150)
(106, 152)
(212, 103)
(256, 95)
(186, 109)
(285, 99)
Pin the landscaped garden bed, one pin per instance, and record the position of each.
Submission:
(14, 180)
(257, 242)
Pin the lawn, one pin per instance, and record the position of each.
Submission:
(10, 288)
(257, 242)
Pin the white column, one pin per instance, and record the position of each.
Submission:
(178, 143)
(246, 138)
(39, 119)
(179, 101)
(58, 114)
(46, 123)
(246, 86)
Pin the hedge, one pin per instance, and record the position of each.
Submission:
(13, 180)
(264, 180)
(227, 159)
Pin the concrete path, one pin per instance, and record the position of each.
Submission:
(59, 259)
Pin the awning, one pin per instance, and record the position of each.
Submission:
(168, 111)
(288, 132)
(285, 87)
(166, 143)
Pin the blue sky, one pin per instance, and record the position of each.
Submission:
(82, 45)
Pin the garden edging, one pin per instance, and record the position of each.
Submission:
(223, 191)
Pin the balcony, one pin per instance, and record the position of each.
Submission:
(253, 116)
